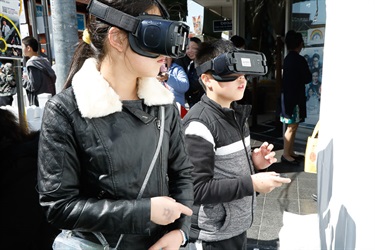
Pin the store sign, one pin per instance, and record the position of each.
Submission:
(222, 25)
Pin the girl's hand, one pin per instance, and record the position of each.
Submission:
(165, 210)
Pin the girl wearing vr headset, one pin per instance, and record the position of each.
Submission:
(99, 140)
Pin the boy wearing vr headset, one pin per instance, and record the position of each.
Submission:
(218, 143)
(113, 169)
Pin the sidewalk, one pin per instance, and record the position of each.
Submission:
(294, 197)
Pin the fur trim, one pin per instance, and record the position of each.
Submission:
(153, 92)
(96, 98)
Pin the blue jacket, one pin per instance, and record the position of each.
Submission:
(179, 82)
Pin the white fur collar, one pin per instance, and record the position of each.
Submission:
(96, 98)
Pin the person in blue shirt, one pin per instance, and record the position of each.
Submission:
(176, 80)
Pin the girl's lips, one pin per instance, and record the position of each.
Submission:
(162, 60)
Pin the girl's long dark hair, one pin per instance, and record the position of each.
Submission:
(98, 31)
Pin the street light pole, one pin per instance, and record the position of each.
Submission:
(65, 37)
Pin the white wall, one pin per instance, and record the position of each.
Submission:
(346, 166)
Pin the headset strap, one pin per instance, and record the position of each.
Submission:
(113, 16)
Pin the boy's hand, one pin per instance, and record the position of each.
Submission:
(263, 156)
(265, 182)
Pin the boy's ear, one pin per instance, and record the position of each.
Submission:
(206, 80)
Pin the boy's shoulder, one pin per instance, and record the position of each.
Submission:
(198, 112)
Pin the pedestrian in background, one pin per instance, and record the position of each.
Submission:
(99, 137)
(218, 143)
(176, 80)
(195, 91)
(296, 74)
(39, 77)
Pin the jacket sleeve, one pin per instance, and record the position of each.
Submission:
(179, 172)
(59, 183)
(33, 83)
(178, 80)
(207, 189)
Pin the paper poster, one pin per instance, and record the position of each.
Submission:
(314, 58)
(315, 36)
(10, 37)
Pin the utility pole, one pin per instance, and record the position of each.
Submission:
(65, 37)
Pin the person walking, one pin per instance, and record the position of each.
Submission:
(296, 74)
(218, 143)
(113, 168)
(39, 77)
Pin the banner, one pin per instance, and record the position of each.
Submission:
(10, 37)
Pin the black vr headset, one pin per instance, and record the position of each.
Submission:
(149, 35)
(226, 67)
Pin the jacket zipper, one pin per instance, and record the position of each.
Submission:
(158, 125)
(241, 132)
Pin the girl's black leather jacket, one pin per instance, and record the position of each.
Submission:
(94, 153)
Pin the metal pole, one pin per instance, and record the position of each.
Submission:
(288, 12)
(65, 37)
(46, 30)
(20, 104)
(235, 19)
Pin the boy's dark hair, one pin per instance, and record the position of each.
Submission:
(32, 42)
(293, 39)
(238, 41)
(211, 49)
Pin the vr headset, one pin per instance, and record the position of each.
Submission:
(226, 67)
(149, 35)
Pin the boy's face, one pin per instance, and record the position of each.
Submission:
(224, 93)
(26, 50)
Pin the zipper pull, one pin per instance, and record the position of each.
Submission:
(158, 123)
(101, 194)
